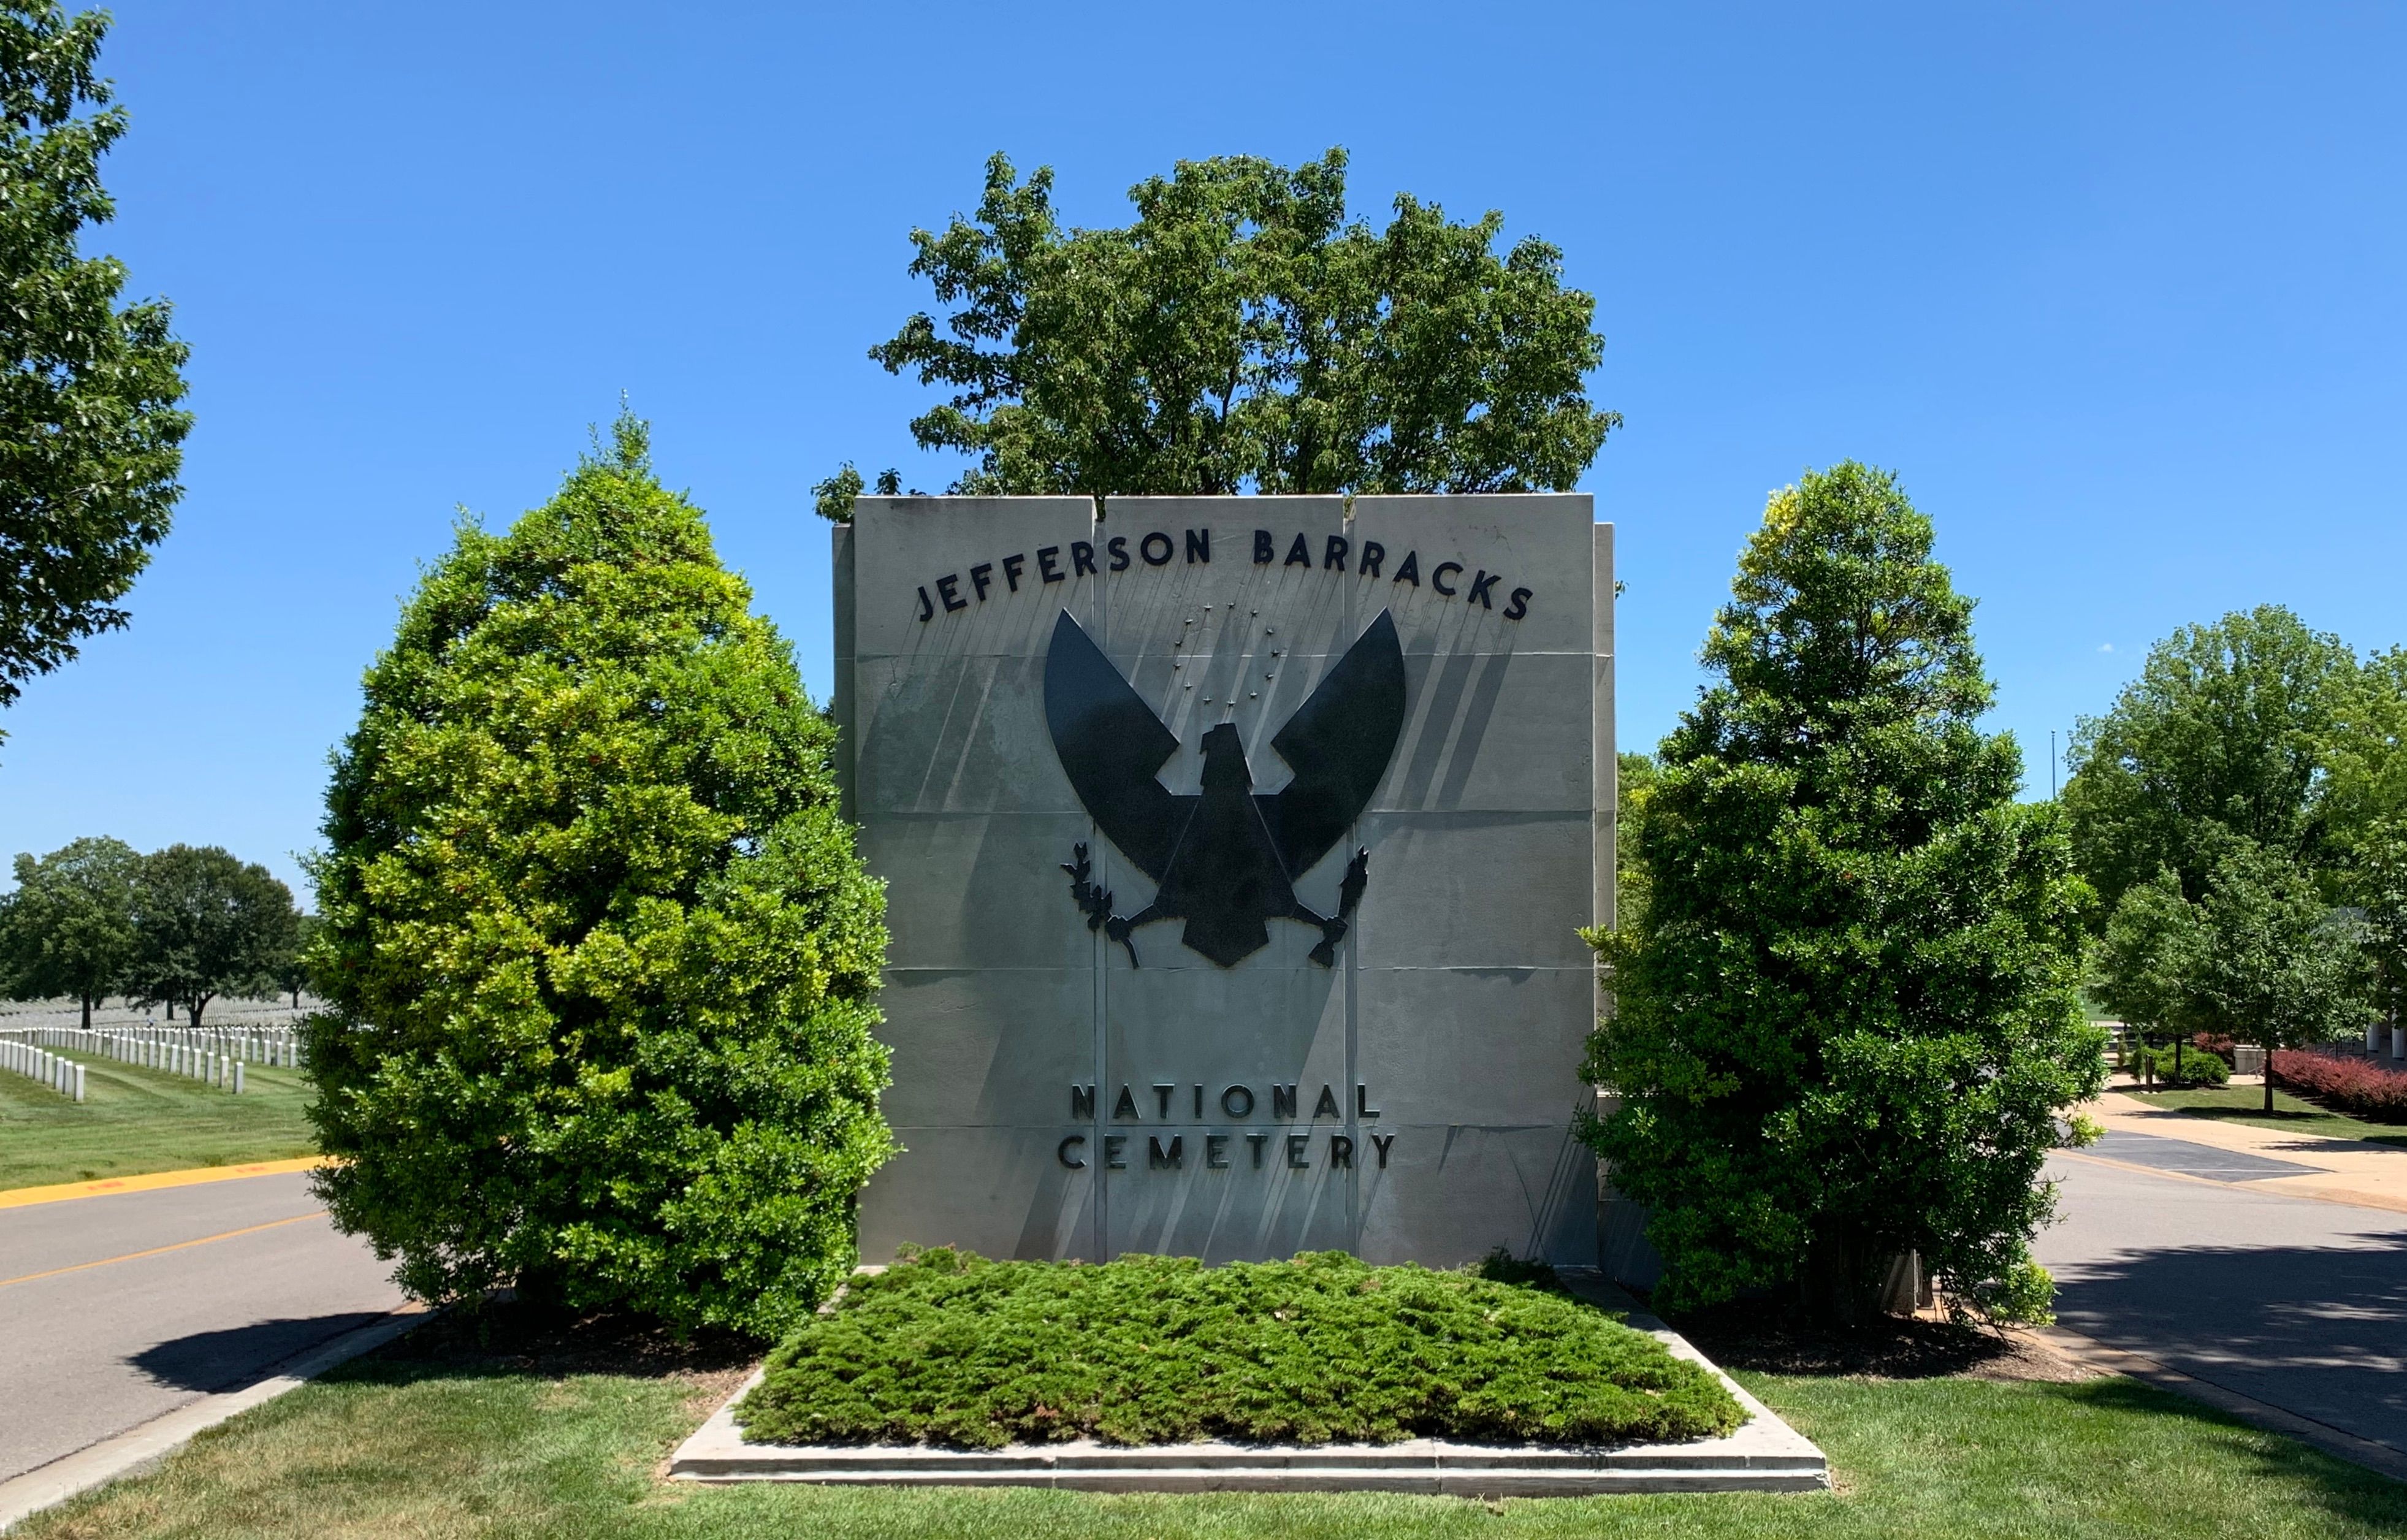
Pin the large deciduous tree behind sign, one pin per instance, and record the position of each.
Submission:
(598, 951)
(90, 430)
(1847, 1015)
(206, 924)
(1242, 334)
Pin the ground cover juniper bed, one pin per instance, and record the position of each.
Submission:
(948, 1348)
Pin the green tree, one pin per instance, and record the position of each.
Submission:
(2221, 740)
(90, 431)
(292, 968)
(68, 929)
(2268, 960)
(597, 949)
(1634, 776)
(2141, 961)
(206, 924)
(1242, 333)
(1846, 1017)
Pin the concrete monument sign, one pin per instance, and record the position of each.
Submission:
(1235, 849)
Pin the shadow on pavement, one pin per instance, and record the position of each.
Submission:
(228, 1360)
(2318, 1331)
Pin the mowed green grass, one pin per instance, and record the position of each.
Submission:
(2292, 1114)
(389, 1447)
(137, 1120)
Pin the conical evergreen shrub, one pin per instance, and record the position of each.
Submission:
(598, 948)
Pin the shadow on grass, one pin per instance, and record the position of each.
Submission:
(509, 1338)
(1767, 1336)
(2306, 1121)
(2345, 1491)
(212, 1361)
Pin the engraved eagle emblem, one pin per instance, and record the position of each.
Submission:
(1224, 860)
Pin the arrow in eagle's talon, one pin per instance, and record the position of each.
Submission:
(1358, 875)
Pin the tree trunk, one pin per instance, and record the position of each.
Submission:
(1839, 1285)
(87, 1013)
(2269, 1078)
(171, 1010)
(195, 1006)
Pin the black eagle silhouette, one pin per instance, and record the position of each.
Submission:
(1225, 860)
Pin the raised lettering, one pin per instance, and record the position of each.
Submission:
(1082, 1102)
(1144, 548)
(1047, 566)
(1480, 583)
(1298, 554)
(1265, 549)
(1125, 1106)
(1327, 1105)
(1380, 1143)
(1216, 1152)
(1296, 1146)
(1341, 1153)
(927, 610)
(1112, 1145)
(1161, 1094)
(1229, 1101)
(1159, 1159)
(1283, 1101)
(1082, 559)
(1199, 1104)
(1411, 571)
(1011, 565)
(1362, 1107)
(1333, 557)
(1437, 578)
(1199, 546)
(1062, 1152)
(945, 590)
(1118, 545)
(1519, 604)
(1372, 555)
(1258, 1140)
(982, 578)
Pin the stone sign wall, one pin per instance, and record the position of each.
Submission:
(1235, 850)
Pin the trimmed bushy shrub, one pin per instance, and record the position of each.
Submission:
(950, 1348)
(598, 950)
(2198, 1067)
(2355, 1086)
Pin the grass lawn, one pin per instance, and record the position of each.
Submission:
(137, 1121)
(438, 1438)
(2292, 1114)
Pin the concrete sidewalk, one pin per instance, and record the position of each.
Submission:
(2343, 1171)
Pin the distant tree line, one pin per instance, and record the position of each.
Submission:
(177, 927)
(2241, 812)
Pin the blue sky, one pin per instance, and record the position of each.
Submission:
(2116, 289)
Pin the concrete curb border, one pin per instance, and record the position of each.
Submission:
(2338, 1442)
(1764, 1455)
(137, 1449)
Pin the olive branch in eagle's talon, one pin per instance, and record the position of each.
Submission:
(1096, 904)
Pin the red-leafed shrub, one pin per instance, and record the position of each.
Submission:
(2347, 1085)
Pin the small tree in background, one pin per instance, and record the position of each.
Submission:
(1846, 1018)
(91, 433)
(2267, 960)
(68, 929)
(597, 948)
(206, 924)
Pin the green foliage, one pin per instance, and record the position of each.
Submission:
(1846, 1017)
(950, 1348)
(1634, 776)
(68, 929)
(2221, 740)
(206, 924)
(89, 433)
(1242, 333)
(598, 950)
(2196, 1066)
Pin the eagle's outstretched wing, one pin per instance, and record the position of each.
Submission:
(1111, 746)
(1338, 743)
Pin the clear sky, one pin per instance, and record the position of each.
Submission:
(2116, 289)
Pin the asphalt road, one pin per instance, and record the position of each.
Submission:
(110, 1316)
(2297, 1303)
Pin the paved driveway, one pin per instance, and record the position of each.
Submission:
(109, 1316)
(2294, 1303)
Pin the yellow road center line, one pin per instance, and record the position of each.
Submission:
(163, 1250)
(150, 1182)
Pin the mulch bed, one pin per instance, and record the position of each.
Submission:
(1760, 1337)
